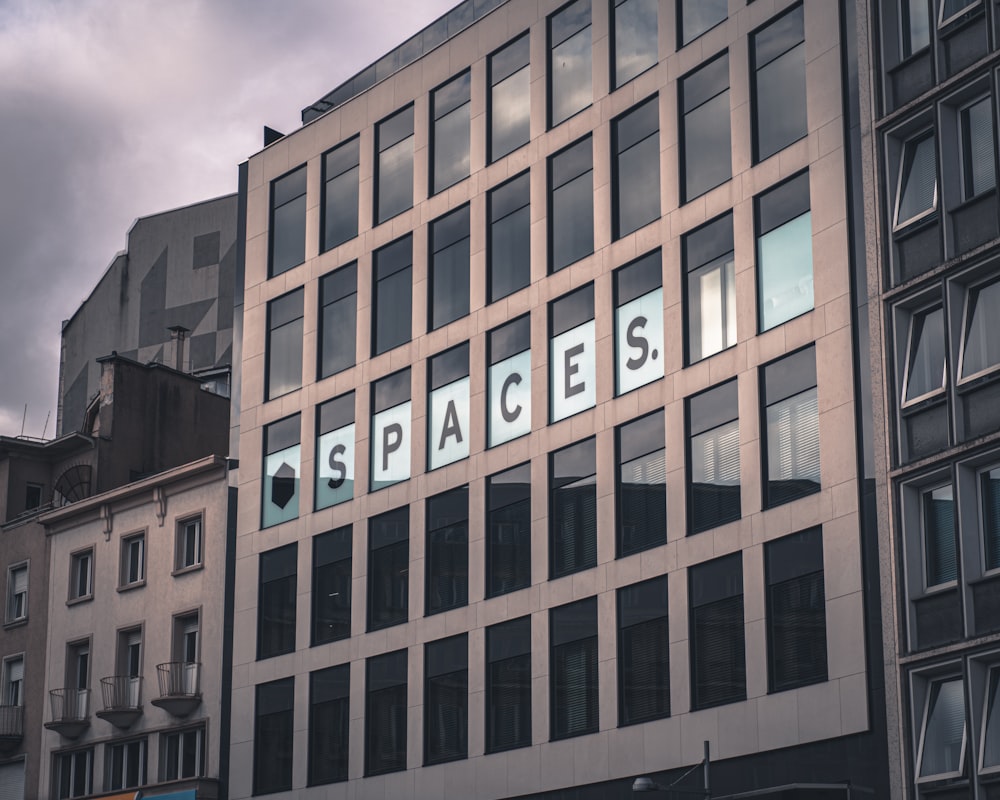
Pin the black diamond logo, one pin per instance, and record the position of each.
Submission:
(283, 486)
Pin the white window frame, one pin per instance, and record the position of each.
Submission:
(911, 316)
(109, 755)
(75, 561)
(928, 691)
(12, 593)
(196, 522)
(126, 579)
(897, 223)
(165, 738)
(62, 759)
(967, 291)
(8, 663)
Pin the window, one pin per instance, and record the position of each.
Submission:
(571, 205)
(573, 669)
(447, 550)
(779, 84)
(991, 731)
(642, 485)
(391, 314)
(288, 221)
(338, 320)
(706, 159)
(128, 664)
(276, 591)
(335, 445)
(182, 754)
(188, 552)
(976, 125)
(81, 575)
(791, 427)
(509, 98)
(942, 731)
(796, 610)
(925, 362)
(329, 724)
(709, 288)
(639, 352)
(273, 736)
(916, 26)
(937, 509)
(643, 652)
(713, 458)
(784, 252)
(916, 191)
(388, 568)
(390, 430)
(185, 647)
(980, 345)
(508, 355)
(284, 344)
(17, 592)
(125, 766)
(635, 39)
(13, 682)
(385, 713)
(572, 363)
(78, 667)
(636, 143)
(32, 496)
(573, 509)
(569, 61)
(394, 170)
(508, 685)
(449, 268)
(509, 237)
(698, 16)
(508, 543)
(990, 494)
(950, 9)
(282, 465)
(446, 699)
(73, 773)
(718, 663)
(341, 169)
(448, 407)
(133, 560)
(331, 586)
(450, 106)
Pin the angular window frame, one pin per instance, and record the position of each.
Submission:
(915, 325)
(908, 151)
(932, 580)
(929, 706)
(973, 293)
(989, 519)
(968, 148)
(908, 34)
(955, 15)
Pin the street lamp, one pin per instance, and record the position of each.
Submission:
(646, 784)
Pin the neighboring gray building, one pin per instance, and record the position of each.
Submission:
(167, 298)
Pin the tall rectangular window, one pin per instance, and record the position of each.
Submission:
(338, 320)
(706, 159)
(696, 17)
(273, 736)
(446, 699)
(508, 354)
(81, 575)
(636, 169)
(282, 465)
(331, 586)
(718, 662)
(185, 648)
(989, 488)
(508, 534)
(573, 509)
(335, 445)
(980, 344)
(385, 713)
(978, 162)
(925, 355)
(388, 568)
(341, 177)
(942, 731)
(390, 429)
(573, 669)
(394, 170)
(572, 361)
(709, 288)
(329, 724)
(447, 550)
(448, 401)
(73, 773)
(182, 754)
(784, 252)
(713, 457)
(288, 221)
(791, 427)
(796, 610)
(642, 484)
(284, 344)
(509, 100)
(13, 682)
(916, 186)
(508, 685)
(17, 593)
(132, 569)
(916, 28)
(643, 652)
(449, 268)
(639, 351)
(392, 304)
(570, 72)
(991, 736)
(509, 236)
(276, 601)
(125, 765)
(450, 106)
(778, 53)
(635, 39)
(937, 509)
(188, 549)
(571, 205)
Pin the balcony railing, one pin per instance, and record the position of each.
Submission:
(70, 711)
(122, 699)
(11, 726)
(180, 687)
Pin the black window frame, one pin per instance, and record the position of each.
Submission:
(492, 240)
(757, 43)
(731, 633)
(719, 410)
(332, 297)
(462, 243)
(377, 281)
(583, 143)
(585, 549)
(286, 566)
(266, 752)
(508, 684)
(331, 569)
(550, 47)
(339, 158)
(688, 194)
(522, 556)
(329, 724)
(465, 76)
(622, 144)
(643, 679)
(276, 188)
(388, 674)
(681, 40)
(399, 563)
(455, 531)
(273, 326)
(446, 676)
(492, 81)
(630, 440)
(377, 219)
(704, 248)
(617, 81)
(573, 624)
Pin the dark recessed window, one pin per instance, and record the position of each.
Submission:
(508, 685)
(284, 344)
(124, 765)
(509, 237)
(978, 171)
(639, 352)
(509, 99)
(335, 451)
(916, 26)
(450, 106)
(990, 495)
(779, 84)
(713, 457)
(718, 662)
(942, 731)
(925, 355)
(394, 170)
(642, 485)
(449, 268)
(571, 205)
(340, 193)
(393, 295)
(981, 345)
(784, 252)
(329, 724)
(338, 322)
(570, 76)
(73, 772)
(695, 17)
(508, 524)
(710, 288)
(573, 669)
(573, 509)
(447, 550)
(276, 601)
(282, 466)
(446, 699)
(635, 39)
(643, 652)
(706, 159)
(385, 713)
(916, 189)
(388, 568)
(390, 430)
(940, 544)
(288, 222)
(636, 169)
(331, 586)
(273, 734)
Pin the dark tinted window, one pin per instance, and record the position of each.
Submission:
(385, 713)
(338, 321)
(288, 221)
(329, 724)
(273, 733)
(571, 205)
(450, 137)
(508, 543)
(643, 652)
(698, 16)
(713, 457)
(508, 685)
(388, 568)
(779, 84)
(509, 237)
(331, 586)
(635, 38)
(449, 268)
(509, 98)
(573, 669)
(446, 699)
(393, 301)
(276, 602)
(718, 661)
(569, 72)
(573, 509)
(706, 158)
(394, 173)
(642, 485)
(447, 550)
(284, 344)
(340, 193)
(636, 167)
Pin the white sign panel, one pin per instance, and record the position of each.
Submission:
(448, 437)
(335, 467)
(639, 341)
(510, 399)
(281, 485)
(573, 371)
(391, 446)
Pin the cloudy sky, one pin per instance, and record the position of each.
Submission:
(115, 109)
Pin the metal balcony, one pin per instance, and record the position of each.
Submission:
(180, 687)
(11, 726)
(70, 712)
(122, 700)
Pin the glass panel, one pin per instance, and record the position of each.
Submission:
(977, 148)
(712, 308)
(570, 76)
(982, 344)
(793, 448)
(780, 115)
(637, 190)
(339, 326)
(991, 736)
(715, 477)
(635, 38)
(706, 146)
(925, 369)
(643, 503)
(991, 517)
(785, 264)
(450, 269)
(572, 221)
(288, 236)
(916, 26)
(395, 179)
(510, 111)
(944, 729)
(940, 547)
(284, 356)
(451, 147)
(698, 16)
(393, 307)
(510, 254)
(917, 180)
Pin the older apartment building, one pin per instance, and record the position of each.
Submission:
(551, 442)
